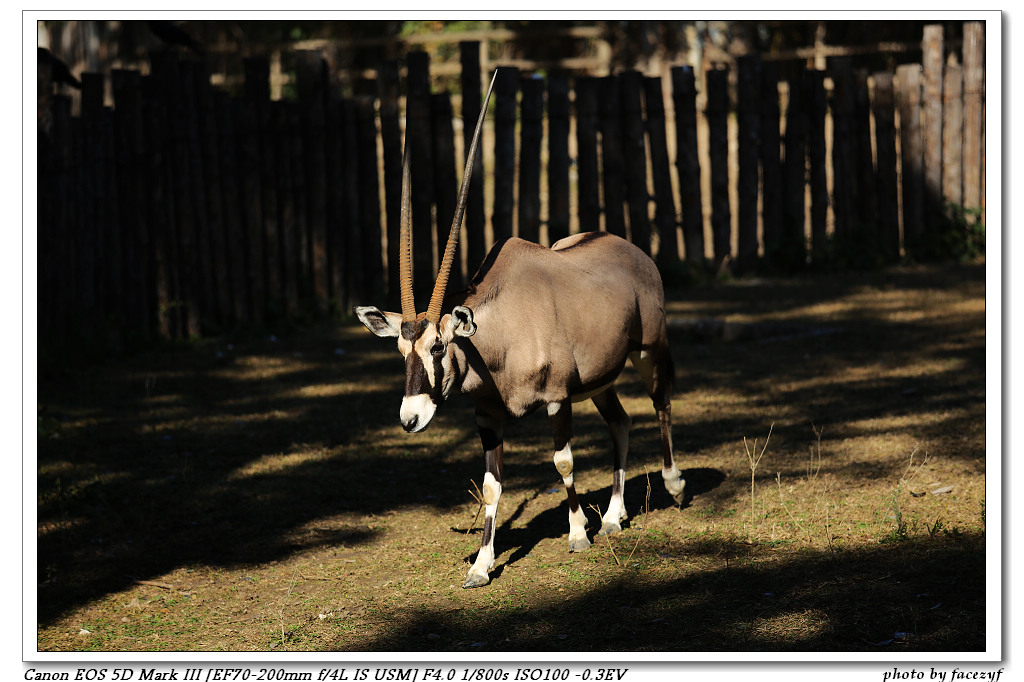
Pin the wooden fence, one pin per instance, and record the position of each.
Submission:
(182, 211)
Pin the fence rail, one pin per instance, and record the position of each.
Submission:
(182, 211)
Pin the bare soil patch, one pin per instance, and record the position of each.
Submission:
(258, 494)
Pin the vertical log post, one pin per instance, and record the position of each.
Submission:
(587, 186)
(417, 123)
(473, 229)
(612, 163)
(664, 200)
(312, 86)
(974, 113)
(843, 177)
(816, 109)
(391, 141)
(911, 153)
(952, 138)
(446, 189)
(558, 157)
(635, 158)
(280, 114)
(368, 182)
(748, 117)
(505, 90)
(684, 96)
(718, 130)
(931, 124)
(772, 179)
(790, 249)
(886, 178)
(257, 83)
(532, 132)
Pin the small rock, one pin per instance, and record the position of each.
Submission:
(943, 491)
(83, 632)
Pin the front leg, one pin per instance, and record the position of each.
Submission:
(491, 435)
(561, 426)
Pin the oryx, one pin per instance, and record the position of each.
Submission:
(536, 328)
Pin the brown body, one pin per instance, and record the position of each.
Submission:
(557, 324)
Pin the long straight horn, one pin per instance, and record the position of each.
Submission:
(437, 297)
(405, 247)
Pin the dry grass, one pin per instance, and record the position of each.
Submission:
(268, 499)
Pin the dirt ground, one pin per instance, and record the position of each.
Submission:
(258, 493)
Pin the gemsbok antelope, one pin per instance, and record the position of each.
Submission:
(536, 328)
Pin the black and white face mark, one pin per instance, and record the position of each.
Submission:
(429, 374)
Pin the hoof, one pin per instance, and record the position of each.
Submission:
(476, 580)
(579, 544)
(679, 499)
(607, 528)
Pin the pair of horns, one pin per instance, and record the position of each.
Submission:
(405, 245)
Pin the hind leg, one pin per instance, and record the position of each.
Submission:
(655, 368)
(618, 426)
(560, 415)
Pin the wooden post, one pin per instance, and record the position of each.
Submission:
(63, 285)
(718, 131)
(974, 113)
(771, 164)
(257, 86)
(338, 218)
(391, 141)
(931, 122)
(184, 210)
(684, 95)
(252, 208)
(204, 283)
(588, 192)
(886, 178)
(209, 143)
(664, 200)
(612, 164)
(790, 248)
(312, 86)
(369, 192)
(816, 109)
(952, 138)
(532, 132)
(288, 225)
(635, 158)
(158, 203)
(558, 157)
(446, 187)
(866, 202)
(473, 229)
(911, 153)
(505, 89)
(355, 241)
(127, 89)
(93, 209)
(422, 192)
(748, 117)
(843, 166)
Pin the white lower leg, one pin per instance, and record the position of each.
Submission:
(578, 540)
(674, 482)
(479, 573)
(612, 519)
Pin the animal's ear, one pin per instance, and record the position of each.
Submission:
(462, 321)
(380, 323)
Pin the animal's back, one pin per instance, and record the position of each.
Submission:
(590, 298)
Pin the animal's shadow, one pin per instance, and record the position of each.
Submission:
(553, 523)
